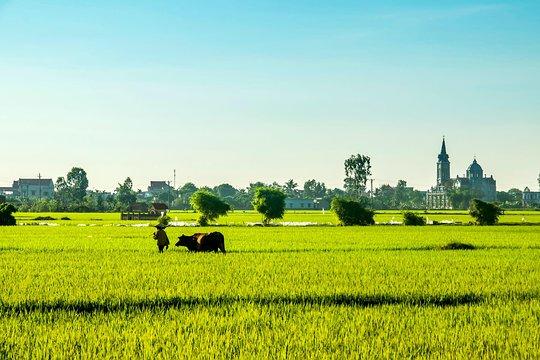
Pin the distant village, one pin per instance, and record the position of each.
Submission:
(42, 194)
(475, 184)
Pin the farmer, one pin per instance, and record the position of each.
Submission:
(161, 236)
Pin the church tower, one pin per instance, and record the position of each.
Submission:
(443, 166)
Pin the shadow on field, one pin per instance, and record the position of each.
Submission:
(128, 305)
(255, 251)
(10, 249)
(361, 249)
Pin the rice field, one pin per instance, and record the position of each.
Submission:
(241, 218)
(280, 292)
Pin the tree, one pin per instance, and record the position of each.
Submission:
(185, 193)
(225, 191)
(276, 185)
(410, 218)
(71, 190)
(270, 203)
(417, 199)
(357, 170)
(485, 213)
(77, 181)
(100, 202)
(290, 188)
(517, 195)
(350, 212)
(400, 194)
(167, 196)
(399, 197)
(461, 198)
(125, 196)
(208, 205)
(242, 200)
(336, 192)
(254, 186)
(383, 197)
(62, 193)
(512, 198)
(6, 215)
(314, 189)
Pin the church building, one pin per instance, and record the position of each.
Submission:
(474, 181)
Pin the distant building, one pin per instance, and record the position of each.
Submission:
(531, 198)
(141, 211)
(31, 189)
(306, 204)
(475, 181)
(437, 197)
(139, 207)
(158, 187)
(158, 208)
(6, 191)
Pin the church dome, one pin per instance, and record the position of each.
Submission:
(475, 170)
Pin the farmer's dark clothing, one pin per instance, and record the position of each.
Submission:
(162, 239)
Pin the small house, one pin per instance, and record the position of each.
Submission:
(141, 211)
(158, 208)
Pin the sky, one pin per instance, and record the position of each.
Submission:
(235, 92)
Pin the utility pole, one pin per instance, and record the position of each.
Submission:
(39, 181)
(371, 192)
(169, 193)
(174, 179)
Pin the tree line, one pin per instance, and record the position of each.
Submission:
(71, 192)
(72, 195)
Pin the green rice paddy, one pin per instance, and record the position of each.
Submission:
(280, 292)
(240, 218)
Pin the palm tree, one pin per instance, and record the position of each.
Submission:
(290, 188)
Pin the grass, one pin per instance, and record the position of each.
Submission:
(316, 292)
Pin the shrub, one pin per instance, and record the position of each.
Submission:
(458, 246)
(208, 205)
(6, 215)
(484, 213)
(351, 212)
(410, 218)
(44, 218)
(270, 203)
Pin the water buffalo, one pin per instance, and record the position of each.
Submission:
(203, 242)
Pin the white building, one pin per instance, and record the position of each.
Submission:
(306, 204)
(33, 188)
(531, 198)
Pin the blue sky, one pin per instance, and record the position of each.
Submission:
(239, 91)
